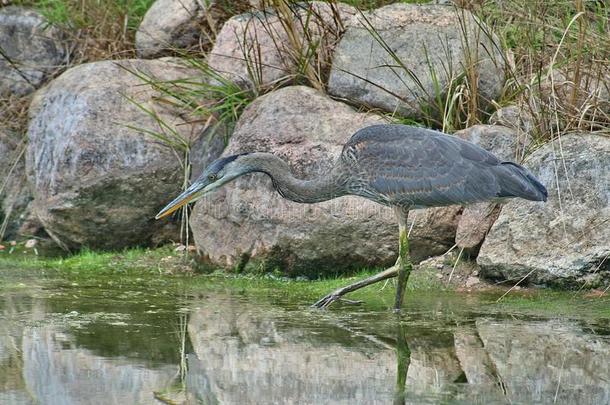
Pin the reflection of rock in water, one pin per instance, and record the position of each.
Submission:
(548, 361)
(250, 352)
(44, 365)
(431, 369)
(13, 387)
(264, 355)
(246, 355)
(473, 358)
(58, 373)
(248, 358)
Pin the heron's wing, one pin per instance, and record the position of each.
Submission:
(414, 166)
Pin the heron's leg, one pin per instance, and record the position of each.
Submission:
(402, 268)
(325, 301)
(404, 260)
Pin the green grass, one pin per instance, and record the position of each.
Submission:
(139, 261)
(165, 260)
(80, 13)
(166, 267)
(556, 303)
(102, 29)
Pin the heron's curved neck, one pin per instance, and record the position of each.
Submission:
(325, 187)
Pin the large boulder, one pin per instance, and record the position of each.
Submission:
(398, 56)
(476, 220)
(183, 25)
(565, 241)
(260, 48)
(506, 143)
(32, 49)
(248, 223)
(97, 174)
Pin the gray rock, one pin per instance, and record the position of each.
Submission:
(515, 117)
(242, 347)
(472, 281)
(505, 143)
(591, 95)
(477, 219)
(565, 241)
(186, 25)
(97, 179)
(30, 50)
(208, 146)
(15, 197)
(364, 71)
(249, 220)
(254, 49)
(474, 224)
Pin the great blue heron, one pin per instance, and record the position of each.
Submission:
(395, 165)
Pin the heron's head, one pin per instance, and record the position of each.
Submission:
(219, 172)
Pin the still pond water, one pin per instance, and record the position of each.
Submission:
(67, 339)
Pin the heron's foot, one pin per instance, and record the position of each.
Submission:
(336, 295)
(327, 300)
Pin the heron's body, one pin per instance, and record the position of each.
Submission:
(413, 167)
(396, 165)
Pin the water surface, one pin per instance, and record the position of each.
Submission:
(124, 339)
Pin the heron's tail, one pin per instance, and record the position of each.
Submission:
(517, 181)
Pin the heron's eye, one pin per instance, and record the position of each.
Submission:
(212, 177)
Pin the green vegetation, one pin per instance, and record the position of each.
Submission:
(103, 29)
(560, 63)
(140, 269)
(87, 262)
(208, 98)
(559, 59)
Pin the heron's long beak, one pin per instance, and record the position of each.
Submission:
(194, 192)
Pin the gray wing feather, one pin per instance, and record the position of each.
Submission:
(401, 165)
